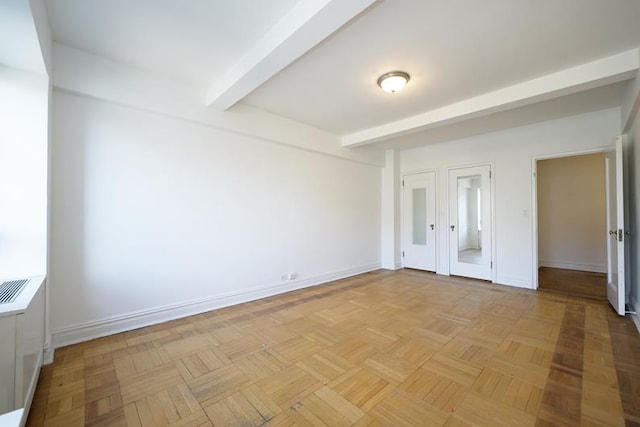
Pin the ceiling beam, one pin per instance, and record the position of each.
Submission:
(306, 25)
(612, 69)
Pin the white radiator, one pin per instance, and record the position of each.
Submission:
(22, 305)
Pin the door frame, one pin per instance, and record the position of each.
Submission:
(492, 208)
(534, 201)
(402, 230)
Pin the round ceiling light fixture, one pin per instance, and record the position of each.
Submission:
(394, 81)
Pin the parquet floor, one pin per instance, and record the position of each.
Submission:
(583, 284)
(401, 348)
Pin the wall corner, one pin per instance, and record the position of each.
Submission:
(390, 212)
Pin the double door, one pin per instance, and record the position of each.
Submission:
(469, 222)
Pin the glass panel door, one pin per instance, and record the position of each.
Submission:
(419, 221)
(470, 222)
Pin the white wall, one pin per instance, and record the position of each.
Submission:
(572, 213)
(81, 72)
(150, 212)
(511, 153)
(23, 172)
(631, 102)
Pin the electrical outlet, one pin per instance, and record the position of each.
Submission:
(292, 276)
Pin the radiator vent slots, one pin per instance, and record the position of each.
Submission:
(10, 290)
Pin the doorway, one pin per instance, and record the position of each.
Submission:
(572, 220)
(470, 222)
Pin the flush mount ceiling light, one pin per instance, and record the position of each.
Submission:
(394, 81)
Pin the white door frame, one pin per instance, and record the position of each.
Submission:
(437, 239)
(492, 207)
(534, 201)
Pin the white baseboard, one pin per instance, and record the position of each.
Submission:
(48, 354)
(516, 282)
(636, 320)
(48, 350)
(633, 305)
(570, 266)
(116, 324)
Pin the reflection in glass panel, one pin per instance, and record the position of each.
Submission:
(469, 220)
(419, 216)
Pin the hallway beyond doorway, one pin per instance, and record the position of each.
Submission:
(585, 284)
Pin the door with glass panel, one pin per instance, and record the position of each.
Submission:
(470, 222)
(419, 222)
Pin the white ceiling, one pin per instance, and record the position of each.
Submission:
(16, 23)
(194, 41)
(454, 49)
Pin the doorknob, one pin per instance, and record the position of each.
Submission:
(613, 232)
(453, 227)
(431, 225)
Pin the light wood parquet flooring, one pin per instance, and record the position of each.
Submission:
(401, 348)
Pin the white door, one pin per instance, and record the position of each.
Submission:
(615, 227)
(419, 221)
(470, 222)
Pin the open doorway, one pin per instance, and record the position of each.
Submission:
(572, 223)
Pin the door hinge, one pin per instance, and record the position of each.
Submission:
(491, 264)
(402, 254)
(403, 182)
(489, 174)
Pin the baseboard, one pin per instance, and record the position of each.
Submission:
(516, 282)
(633, 305)
(569, 266)
(48, 354)
(636, 320)
(116, 324)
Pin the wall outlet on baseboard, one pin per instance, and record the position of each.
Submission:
(289, 276)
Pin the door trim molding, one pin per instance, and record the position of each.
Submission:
(534, 202)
